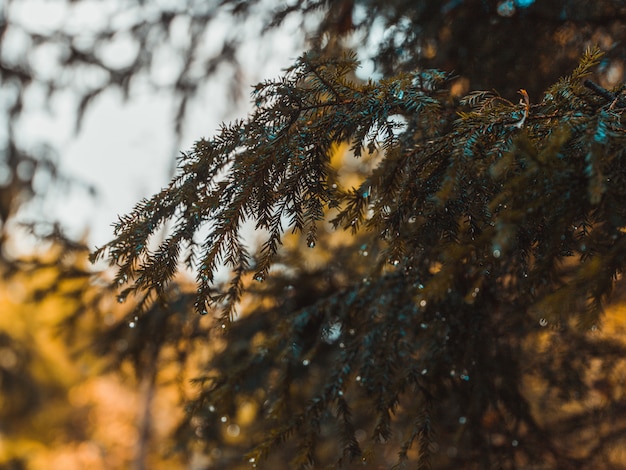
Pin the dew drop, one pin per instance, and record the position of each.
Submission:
(514, 443)
(506, 8)
(211, 408)
(251, 460)
(543, 321)
(496, 253)
(223, 419)
(358, 378)
(311, 244)
(259, 278)
(131, 324)
(424, 371)
(462, 420)
(423, 303)
(121, 298)
(423, 326)
(233, 430)
(306, 362)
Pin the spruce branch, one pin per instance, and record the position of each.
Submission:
(273, 166)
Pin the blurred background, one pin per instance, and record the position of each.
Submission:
(98, 99)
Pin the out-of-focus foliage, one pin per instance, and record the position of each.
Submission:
(494, 44)
(492, 221)
(66, 401)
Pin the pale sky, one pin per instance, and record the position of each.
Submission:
(136, 135)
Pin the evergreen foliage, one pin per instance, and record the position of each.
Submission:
(498, 231)
(458, 326)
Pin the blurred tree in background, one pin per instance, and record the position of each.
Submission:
(476, 346)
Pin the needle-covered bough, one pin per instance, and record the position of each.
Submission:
(494, 219)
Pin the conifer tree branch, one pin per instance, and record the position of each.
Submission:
(481, 226)
(283, 147)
